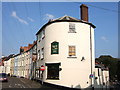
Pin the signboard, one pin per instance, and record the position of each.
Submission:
(42, 68)
(91, 76)
(54, 48)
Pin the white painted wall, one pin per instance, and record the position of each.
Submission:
(2, 69)
(98, 82)
(12, 66)
(102, 78)
(74, 71)
(7, 66)
(106, 78)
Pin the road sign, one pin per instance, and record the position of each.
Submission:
(42, 68)
(91, 76)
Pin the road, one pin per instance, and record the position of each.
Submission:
(22, 83)
(14, 82)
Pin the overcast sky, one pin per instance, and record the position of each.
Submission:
(22, 20)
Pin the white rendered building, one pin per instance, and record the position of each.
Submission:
(7, 64)
(65, 47)
(101, 77)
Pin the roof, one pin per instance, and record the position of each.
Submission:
(65, 19)
(29, 47)
(101, 66)
(34, 43)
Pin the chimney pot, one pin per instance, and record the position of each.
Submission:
(84, 12)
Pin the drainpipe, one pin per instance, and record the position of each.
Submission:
(91, 55)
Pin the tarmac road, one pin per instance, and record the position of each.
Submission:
(14, 82)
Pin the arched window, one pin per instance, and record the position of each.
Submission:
(55, 47)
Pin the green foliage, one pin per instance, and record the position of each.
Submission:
(112, 64)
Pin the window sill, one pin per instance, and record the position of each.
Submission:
(72, 32)
(71, 57)
(52, 79)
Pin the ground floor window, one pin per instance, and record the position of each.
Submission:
(53, 71)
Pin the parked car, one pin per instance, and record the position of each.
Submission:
(3, 77)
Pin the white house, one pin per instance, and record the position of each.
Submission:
(12, 66)
(101, 77)
(65, 47)
(2, 69)
(33, 57)
(7, 64)
(16, 66)
(25, 64)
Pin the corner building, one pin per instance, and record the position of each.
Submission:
(65, 47)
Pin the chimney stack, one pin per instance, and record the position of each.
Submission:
(84, 12)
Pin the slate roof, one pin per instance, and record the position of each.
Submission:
(65, 19)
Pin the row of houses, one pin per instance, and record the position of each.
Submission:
(63, 55)
(21, 64)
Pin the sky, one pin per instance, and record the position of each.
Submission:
(22, 20)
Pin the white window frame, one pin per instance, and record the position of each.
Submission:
(72, 28)
(42, 53)
(43, 34)
(38, 54)
(72, 52)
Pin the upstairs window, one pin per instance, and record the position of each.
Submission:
(43, 34)
(72, 28)
(72, 51)
(38, 54)
(39, 36)
(42, 53)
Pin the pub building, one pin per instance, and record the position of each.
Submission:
(65, 50)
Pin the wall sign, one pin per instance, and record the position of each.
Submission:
(55, 48)
(91, 76)
(42, 68)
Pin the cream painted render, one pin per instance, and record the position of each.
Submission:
(2, 69)
(7, 65)
(102, 78)
(12, 67)
(24, 64)
(75, 73)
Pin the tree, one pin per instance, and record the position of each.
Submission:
(111, 63)
(118, 70)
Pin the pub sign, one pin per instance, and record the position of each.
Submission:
(54, 48)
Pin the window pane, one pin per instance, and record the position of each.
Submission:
(53, 71)
(71, 50)
(42, 53)
(71, 27)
